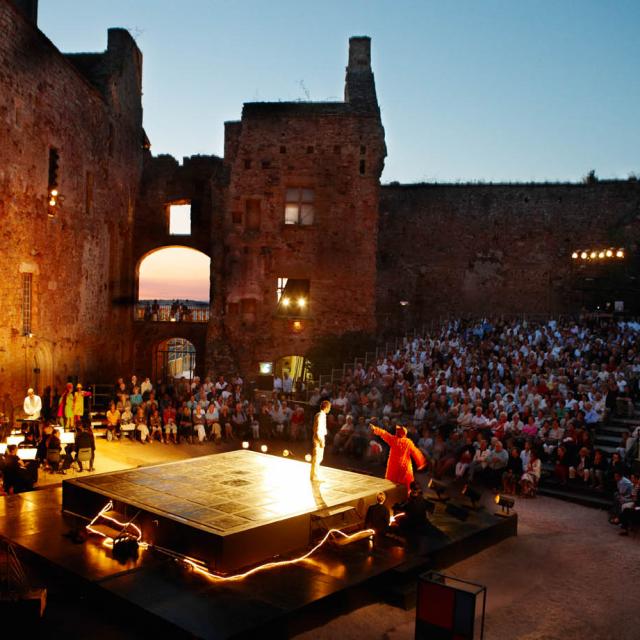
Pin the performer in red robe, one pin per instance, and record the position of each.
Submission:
(399, 467)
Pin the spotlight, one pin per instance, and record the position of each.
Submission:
(601, 254)
(52, 202)
(245, 445)
(285, 301)
(574, 255)
(404, 303)
(619, 253)
(264, 448)
(609, 253)
(301, 302)
(308, 457)
(583, 255)
(472, 494)
(505, 503)
(593, 255)
(54, 192)
(285, 453)
(439, 488)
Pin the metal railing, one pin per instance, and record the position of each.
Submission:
(148, 312)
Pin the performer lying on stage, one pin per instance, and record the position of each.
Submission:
(402, 449)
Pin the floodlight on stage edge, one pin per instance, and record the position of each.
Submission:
(505, 503)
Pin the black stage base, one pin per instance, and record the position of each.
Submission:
(159, 595)
(231, 509)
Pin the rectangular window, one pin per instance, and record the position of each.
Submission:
(180, 219)
(298, 207)
(252, 214)
(27, 287)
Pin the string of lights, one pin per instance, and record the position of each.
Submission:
(598, 254)
(200, 567)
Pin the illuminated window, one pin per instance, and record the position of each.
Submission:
(298, 208)
(293, 297)
(180, 219)
(27, 288)
(282, 283)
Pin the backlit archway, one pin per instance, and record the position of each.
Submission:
(173, 284)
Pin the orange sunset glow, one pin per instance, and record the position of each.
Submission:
(175, 273)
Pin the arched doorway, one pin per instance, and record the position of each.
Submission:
(297, 368)
(173, 285)
(174, 359)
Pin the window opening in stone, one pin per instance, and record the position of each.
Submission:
(293, 300)
(180, 219)
(299, 207)
(27, 290)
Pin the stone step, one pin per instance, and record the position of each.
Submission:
(612, 428)
(605, 439)
(578, 496)
(623, 421)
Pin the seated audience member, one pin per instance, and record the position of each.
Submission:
(531, 475)
(15, 476)
(84, 439)
(415, 510)
(142, 430)
(155, 426)
(113, 421)
(199, 421)
(185, 423)
(622, 496)
(297, 427)
(378, 516)
(630, 511)
(511, 477)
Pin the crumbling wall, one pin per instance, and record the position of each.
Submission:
(77, 255)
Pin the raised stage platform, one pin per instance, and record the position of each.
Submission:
(153, 594)
(232, 509)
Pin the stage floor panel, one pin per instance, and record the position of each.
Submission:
(235, 491)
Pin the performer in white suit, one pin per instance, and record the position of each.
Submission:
(319, 434)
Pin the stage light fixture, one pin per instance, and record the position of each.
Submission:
(609, 253)
(54, 192)
(619, 253)
(302, 302)
(457, 511)
(245, 445)
(264, 448)
(471, 493)
(593, 255)
(439, 488)
(505, 503)
(584, 255)
(308, 457)
(285, 301)
(574, 255)
(601, 254)
(404, 303)
(285, 453)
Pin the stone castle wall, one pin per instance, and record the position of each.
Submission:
(88, 108)
(478, 249)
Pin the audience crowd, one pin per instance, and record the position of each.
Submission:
(495, 402)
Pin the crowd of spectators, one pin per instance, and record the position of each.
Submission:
(498, 401)
(196, 410)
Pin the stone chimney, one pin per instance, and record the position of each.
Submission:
(360, 87)
(29, 8)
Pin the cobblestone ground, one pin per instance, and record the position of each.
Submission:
(568, 575)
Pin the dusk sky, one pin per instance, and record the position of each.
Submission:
(176, 272)
(469, 90)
